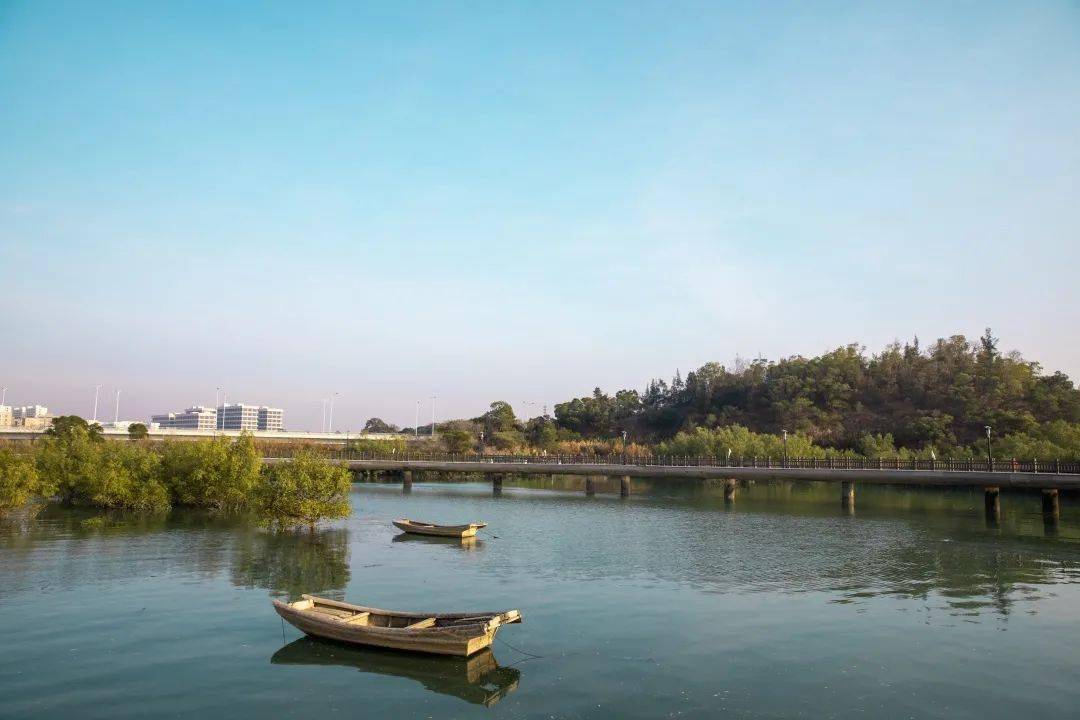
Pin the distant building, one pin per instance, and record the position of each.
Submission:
(194, 418)
(31, 417)
(7, 418)
(271, 419)
(31, 411)
(250, 417)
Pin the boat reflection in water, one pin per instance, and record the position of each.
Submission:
(469, 543)
(477, 679)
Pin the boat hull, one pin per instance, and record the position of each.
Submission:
(460, 640)
(455, 531)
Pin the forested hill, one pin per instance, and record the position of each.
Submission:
(943, 395)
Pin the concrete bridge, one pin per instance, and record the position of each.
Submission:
(990, 476)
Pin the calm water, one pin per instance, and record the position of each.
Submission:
(666, 604)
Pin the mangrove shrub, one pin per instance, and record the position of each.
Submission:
(19, 480)
(219, 474)
(305, 491)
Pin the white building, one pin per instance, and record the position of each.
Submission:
(30, 411)
(7, 419)
(194, 418)
(238, 416)
(271, 419)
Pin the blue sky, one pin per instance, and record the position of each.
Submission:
(520, 201)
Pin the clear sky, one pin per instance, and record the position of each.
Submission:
(520, 201)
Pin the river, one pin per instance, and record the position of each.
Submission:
(668, 603)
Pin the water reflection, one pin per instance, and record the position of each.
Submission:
(477, 679)
(289, 564)
(470, 543)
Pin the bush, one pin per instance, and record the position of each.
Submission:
(105, 475)
(305, 491)
(19, 480)
(219, 474)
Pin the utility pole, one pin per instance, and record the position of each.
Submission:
(116, 418)
(97, 389)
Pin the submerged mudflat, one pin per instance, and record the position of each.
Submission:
(666, 603)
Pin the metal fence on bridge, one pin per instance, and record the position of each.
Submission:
(1069, 467)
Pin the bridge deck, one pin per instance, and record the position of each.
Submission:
(886, 476)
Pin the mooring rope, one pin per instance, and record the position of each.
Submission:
(529, 655)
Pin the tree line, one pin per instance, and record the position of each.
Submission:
(907, 400)
(74, 465)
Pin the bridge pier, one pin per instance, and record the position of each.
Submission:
(731, 488)
(406, 481)
(1050, 506)
(590, 485)
(992, 505)
(624, 486)
(496, 483)
(847, 495)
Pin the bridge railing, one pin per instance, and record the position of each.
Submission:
(1071, 467)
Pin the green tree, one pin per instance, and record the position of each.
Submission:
(65, 426)
(458, 440)
(138, 431)
(499, 418)
(19, 480)
(305, 491)
(378, 425)
(220, 474)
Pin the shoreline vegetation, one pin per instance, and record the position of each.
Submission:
(75, 466)
(904, 403)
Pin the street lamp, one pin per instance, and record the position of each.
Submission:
(624, 447)
(330, 428)
(481, 442)
(785, 448)
(989, 451)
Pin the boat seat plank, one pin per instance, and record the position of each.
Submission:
(359, 619)
(421, 624)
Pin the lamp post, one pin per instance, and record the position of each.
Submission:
(989, 451)
(623, 447)
(785, 448)
(481, 442)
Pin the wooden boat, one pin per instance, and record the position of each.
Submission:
(439, 633)
(478, 679)
(423, 528)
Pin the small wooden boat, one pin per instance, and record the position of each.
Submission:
(422, 528)
(439, 633)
